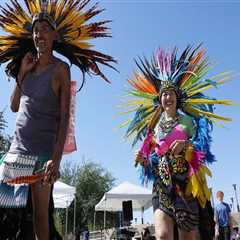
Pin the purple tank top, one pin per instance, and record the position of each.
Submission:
(38, 115)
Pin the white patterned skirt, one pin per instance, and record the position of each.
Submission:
(14, 165)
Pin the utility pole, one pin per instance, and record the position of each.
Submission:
(232, 200)
(235, 191)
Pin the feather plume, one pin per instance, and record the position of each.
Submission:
(72, 27)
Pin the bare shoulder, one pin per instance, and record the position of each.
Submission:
(63, 71)
(62, 67)
(61, 78)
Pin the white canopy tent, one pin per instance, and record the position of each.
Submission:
(141, 198)
(63, 195)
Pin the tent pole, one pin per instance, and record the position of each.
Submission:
(142, 212)
(74, 214)
(66, 226)
(119, 218)
(104, 219)
(94, 221)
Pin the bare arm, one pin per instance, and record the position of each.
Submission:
(16, 95)
(64, 75)
(64, 90)
(28, 62)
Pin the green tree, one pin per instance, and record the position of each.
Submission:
(91, 181)
(5, 140)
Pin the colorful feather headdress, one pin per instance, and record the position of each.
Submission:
(72, 27)
(185, 74)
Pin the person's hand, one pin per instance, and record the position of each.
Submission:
(177, 147)
(52, 171)
(27, 64)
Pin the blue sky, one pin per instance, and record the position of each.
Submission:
(139, 27)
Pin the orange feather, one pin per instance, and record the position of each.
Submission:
(26, 179)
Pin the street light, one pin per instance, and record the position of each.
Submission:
(235, 191)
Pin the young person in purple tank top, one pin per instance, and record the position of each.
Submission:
(44, 35)
(41, 97)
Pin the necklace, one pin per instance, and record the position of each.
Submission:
(167, 125)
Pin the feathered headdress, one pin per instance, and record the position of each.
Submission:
(70, 21)
(185, 74)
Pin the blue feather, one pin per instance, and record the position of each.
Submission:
(140, 135)
(138, 117)
(202, 139)
(147, 174)
(213, 83)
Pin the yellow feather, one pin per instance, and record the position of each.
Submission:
(199, 112)
(226, 78)
(220, 75)
(68, 19)
(49, 8)
(124, 124)
(188, 190)
(195, 185)
(25, 17)
(193, 92)
(189, 153)
(32, 8)
(75, 19)
(196, 101)
(134, 109)
(5, 41)
(84, 30)
(141, 124)
(14, 30)
(59, 9)
(4, 48)
(18, 19)
(145, 102)
(207, 170)
(63, 23)
(78, 22)
(38, 6)
(83, 45)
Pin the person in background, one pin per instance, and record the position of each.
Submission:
(223, 226)
(77, 234)
(85, 233)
